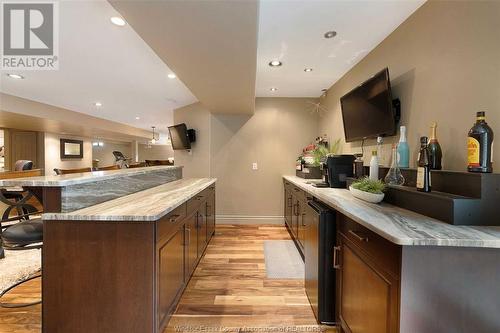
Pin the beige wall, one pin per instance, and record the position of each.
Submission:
(227, 145)
(444, 63)
(52, 154)
(105, 153)
(155, 152)
(197, 162)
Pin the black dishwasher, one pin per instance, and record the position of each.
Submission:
(320, 281)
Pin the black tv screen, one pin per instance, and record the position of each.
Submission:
(367, 110)
(179, 137)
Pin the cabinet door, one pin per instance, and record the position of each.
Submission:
(301, 223)
(368, 298)
(202, 232)
(288, 208)
(210, 214)
(191, 243)
(170, 274)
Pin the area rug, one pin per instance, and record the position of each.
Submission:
(18, 265)
(283, 260)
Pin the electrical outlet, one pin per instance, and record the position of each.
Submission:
(255, 166)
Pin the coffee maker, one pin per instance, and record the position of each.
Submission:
(335, 170)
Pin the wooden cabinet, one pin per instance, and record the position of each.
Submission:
(294, 211)
(210, 215)
(368, 280)
(202, 230)
(191, 242)
(288, 205)
(170, 274)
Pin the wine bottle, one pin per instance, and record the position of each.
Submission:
(374, 166)
(424, 167)
(435, 149)
(479, 146)
(403, 149)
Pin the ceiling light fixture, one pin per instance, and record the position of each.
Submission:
(172, 76)
(275, 63)
(116, 20)
(15, 76)
(330, 34)
(137, 118)
(273, 89)
(153, 140)
(97, 104)
(308, 70)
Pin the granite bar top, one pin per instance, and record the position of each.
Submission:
(148, 205)
(401, 226)
(81, 178)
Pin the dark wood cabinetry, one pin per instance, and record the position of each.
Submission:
(294, 211)
(191, 229)
(368, 290)
(131, 273)
(170, 274)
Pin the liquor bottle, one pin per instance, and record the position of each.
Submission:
(435, 149)
(424, 167)
(374, 166)
(479, 146)
(403, 149)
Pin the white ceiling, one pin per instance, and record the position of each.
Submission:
(101, 62)
(292, 31)
(106, 63)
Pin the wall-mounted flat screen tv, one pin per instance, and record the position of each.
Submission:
(179, 137)
(367, 110)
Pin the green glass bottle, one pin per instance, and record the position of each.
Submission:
(435, 152)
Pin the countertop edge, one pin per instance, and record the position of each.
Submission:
(105, 175)
(406, 241)
(72, 216)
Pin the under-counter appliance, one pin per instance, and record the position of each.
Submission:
(320, 275)
(336, 170)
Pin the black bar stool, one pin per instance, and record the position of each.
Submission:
(24, 235)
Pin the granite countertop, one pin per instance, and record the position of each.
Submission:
(148, 205)
(80, 178)
(401, 226)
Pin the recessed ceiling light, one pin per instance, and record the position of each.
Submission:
(116, 20)
(171, 76)
(308, 70)
(98, 104)
(330, 34)
(275, 63)
(15, 76)
(273, 89)
(137, 118)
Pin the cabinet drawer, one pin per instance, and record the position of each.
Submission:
(288, 186)
(298, 193)
(382, 251)
(169, 223)
(200, 198)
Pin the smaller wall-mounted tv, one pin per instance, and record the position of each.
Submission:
(180, 137)
(367, 110)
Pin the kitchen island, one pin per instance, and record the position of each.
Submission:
(399, 271)
(121, 265)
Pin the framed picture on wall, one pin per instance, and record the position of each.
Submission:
(71, 148)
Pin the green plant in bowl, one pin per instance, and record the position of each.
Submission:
(369, 185)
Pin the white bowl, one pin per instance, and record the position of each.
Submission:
(367, 196)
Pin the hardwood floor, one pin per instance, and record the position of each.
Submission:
(229, 291)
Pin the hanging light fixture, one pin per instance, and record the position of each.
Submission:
(153, 140)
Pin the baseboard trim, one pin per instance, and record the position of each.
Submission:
(248, 219)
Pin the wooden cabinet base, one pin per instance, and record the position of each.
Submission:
(114, 276)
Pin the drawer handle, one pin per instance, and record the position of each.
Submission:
(209, 210)
(174, 218)
(336, 264)
(289, 201)
(198, 197)
(358, 236)
(296, 189)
